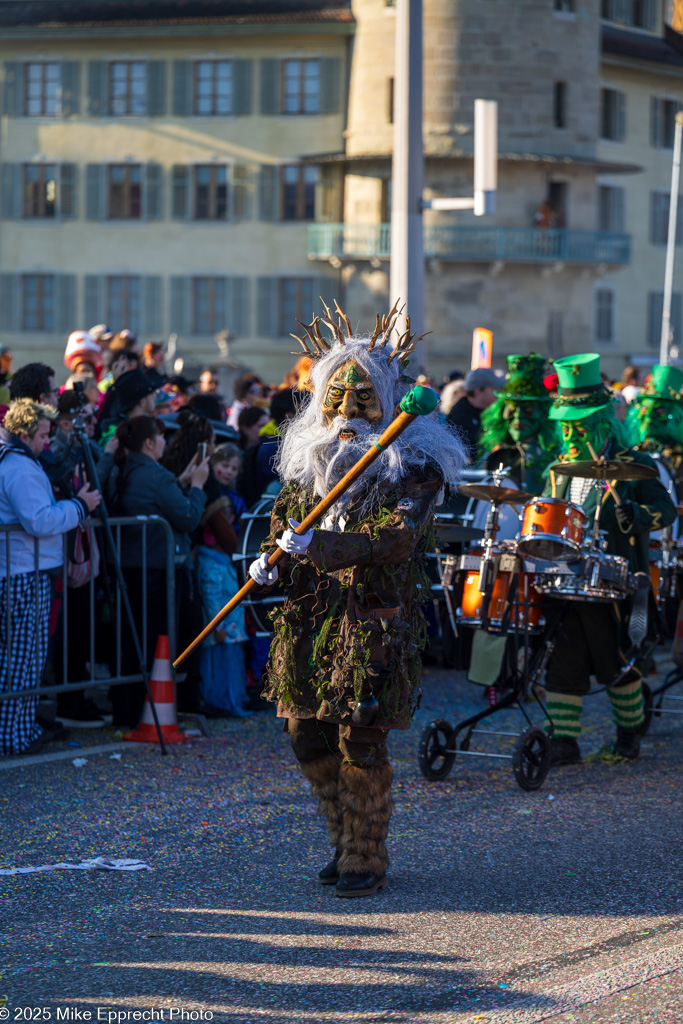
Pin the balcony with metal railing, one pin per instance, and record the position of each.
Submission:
(473, 244)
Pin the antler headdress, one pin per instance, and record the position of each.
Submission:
(315, 346)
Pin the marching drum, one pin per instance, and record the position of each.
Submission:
(254, 528)
(524, 613)
(552, 528)
(596, 577)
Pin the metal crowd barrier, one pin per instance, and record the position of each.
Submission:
(93, 524)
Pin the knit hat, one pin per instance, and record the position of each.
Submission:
(665, 384)
(524, 381)
(581, 390)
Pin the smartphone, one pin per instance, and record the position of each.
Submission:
(201, 450)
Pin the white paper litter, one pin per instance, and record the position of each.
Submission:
(100, 863)
(115, 757)
(78, 762)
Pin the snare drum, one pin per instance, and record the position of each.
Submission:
(525, 613)
(552, 528)
(595, 578)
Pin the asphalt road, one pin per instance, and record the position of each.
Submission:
(504, 906)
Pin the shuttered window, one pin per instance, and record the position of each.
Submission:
(38, 302)
(611, 201)
(604, 315)
(40, 190)
(639, 13)
(298, 188)
(210, 192)
(213, 88)
(612, 115)
(659, 218)
(663, 122)
(123, 301)
(209, 305)
(300, 86)
(297, 299)
(127, 88)
(42, 89)
(124, 194)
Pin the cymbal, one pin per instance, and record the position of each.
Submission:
(499, 495)
(452, 533)
(609, 469)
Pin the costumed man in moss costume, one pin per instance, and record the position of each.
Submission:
(589, 639)
(657, 414)
(345, 660)
(516, 431)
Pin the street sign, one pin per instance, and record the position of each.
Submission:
(482, 347)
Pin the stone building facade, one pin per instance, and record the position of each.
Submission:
(192, 168)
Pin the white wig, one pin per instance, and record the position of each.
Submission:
(312, 455)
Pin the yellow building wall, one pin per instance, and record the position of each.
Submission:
(166, 247)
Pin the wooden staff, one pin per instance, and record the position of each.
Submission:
(420, 401)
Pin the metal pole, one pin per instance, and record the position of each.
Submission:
(665, 338)
(407, 251)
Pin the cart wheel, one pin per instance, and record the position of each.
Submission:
(435, 758)
(531, 759)
(647, 709)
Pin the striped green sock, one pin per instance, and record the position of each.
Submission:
(565, 711)
(627, 705)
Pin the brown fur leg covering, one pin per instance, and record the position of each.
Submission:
(365, 795)
(323, 775)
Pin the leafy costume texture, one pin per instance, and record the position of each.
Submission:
(352, 623)
(516, 430)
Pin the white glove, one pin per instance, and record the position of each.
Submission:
(293, 543)
(262, 573)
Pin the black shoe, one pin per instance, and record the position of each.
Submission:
(564, 750)
(627, 743)
(81, 714)
(329, 875)
(359, 885)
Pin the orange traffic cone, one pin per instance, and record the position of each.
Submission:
(162, 689)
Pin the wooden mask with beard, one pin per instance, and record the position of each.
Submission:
(351, 394)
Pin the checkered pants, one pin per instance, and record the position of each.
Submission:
(23, 659)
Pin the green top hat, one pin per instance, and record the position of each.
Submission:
(524, 381)
(581, 391)
(665, 385)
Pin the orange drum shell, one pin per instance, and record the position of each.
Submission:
(528, 616)
(551, 523)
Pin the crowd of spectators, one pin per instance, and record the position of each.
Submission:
(163, 444)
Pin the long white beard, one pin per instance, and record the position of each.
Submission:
(313, 455)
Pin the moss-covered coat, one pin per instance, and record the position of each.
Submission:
(352, 622)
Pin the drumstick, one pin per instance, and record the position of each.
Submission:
(610, 487)
(553, 483)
